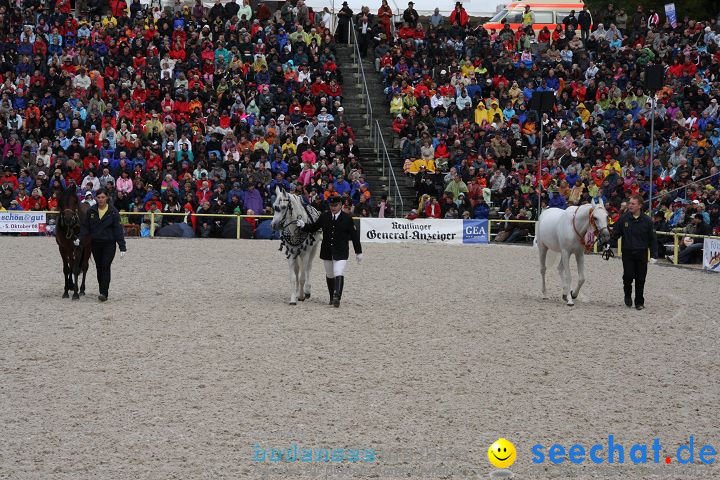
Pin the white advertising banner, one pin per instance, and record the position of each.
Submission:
(711, 254)
(401, 230)
(21, 222)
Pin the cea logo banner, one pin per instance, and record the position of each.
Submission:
(612, 452)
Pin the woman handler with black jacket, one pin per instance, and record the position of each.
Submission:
(102, 224)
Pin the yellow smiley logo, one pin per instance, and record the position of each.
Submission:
(502, 453)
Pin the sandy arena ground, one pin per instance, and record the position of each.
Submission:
(197, 356)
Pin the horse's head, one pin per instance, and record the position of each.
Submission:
(281, 208)
(599, 220)
(68, 206)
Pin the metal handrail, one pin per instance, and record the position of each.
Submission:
(694, 182)
(382, 150)
(362, 80)
(392, 21)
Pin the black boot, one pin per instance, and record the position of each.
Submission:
(338, 290)
(331, 288)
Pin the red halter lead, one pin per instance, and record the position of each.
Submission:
(587, 245)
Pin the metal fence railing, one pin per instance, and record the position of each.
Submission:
(374, 126)
(384, 158)
(361, 79)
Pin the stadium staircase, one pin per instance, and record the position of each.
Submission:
(371, 151)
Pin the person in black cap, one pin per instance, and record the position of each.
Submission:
(338, 229)
(343, 29)
(410, 15)
(638, 235)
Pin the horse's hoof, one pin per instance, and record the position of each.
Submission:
(307, 296)
(574, 295)
(302, 299)
(65, 295)
(293, 303)
(570, 304)
(564, 297)
(76, 296)
(82, 292)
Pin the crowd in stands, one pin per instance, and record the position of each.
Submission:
(460, 98)
(207, 110)
(184, 110)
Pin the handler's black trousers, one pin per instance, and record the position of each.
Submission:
(634, 269)
(103, 253)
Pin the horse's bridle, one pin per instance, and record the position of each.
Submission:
(588, 245)
(287, 210)
(72, 226)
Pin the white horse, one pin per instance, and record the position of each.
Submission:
(566, 231)
(300, 246)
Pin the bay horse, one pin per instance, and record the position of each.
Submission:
(570, 232)
(300, 247)
(71, 213)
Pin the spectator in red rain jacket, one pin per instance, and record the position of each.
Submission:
(117, 7)
(459, 16)
(91, 162)
(433, 208)
(441, 151)
(406, 32)
(154, 202)
(9, 178)
(204, 193)
(37, 201)
(689, 68)
(153, 160)
(74, 173)
(334, 91)
(23, 200)
(190, 216)
(318, 87)
(63, 6)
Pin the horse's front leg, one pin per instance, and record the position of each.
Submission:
(75, 275)
(67, 277)
(580, 257)
(293, 282)
(301, 279)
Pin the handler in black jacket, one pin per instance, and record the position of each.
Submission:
(338, 229)
(102, 223)
(638, 235)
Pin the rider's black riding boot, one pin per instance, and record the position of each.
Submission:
(331, 288)
(338, 290)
